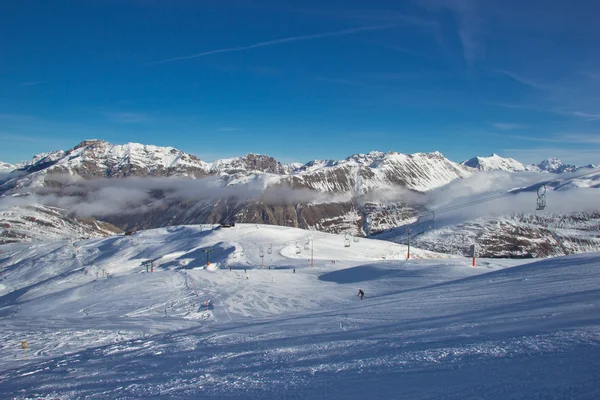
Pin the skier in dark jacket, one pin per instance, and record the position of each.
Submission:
(361, 293)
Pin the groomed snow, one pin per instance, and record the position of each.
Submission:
(430, 327)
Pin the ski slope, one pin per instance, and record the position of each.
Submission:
(99, 326)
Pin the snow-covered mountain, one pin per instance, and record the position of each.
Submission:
(498, 163)
(555, 166)
(419, 171)
(6, 166)
(495, 163)
(294, 193)
(95, 158)
(99, 159)
(361, 195)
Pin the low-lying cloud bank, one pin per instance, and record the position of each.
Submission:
(462, 199)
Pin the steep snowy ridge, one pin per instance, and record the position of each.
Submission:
(419, 171)
(494, 163)
(422, 171)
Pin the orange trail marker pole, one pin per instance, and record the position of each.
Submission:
(24, 346)
(408, 254)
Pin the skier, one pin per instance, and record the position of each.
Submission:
(294, 271)
(361, 293)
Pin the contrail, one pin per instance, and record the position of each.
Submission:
(342, 32)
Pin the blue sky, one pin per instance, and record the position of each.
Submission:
(300, 80)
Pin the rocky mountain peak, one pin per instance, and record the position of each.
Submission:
(90, 143)
(263, 163)
(555, 165)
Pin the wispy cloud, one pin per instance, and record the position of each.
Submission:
(587, 116)
(229, 129)
(343, 32)
(507, 126)
(523, 80)
(469, 24)
(584, 138)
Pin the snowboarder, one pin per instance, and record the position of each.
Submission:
(361, 293)
(294, 271)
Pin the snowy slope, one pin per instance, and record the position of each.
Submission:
(509, 236)
(427, 329)
(493, 163)
(497, 211)
(42, 223)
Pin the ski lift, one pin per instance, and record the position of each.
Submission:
(270, 249)
(307, 245)
(541, 197)
(346, 240)
(298, 250)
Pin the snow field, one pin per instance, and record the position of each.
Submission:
(428, 328)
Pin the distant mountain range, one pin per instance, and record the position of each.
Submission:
(360, 195)
(99, 159)
(497, 163)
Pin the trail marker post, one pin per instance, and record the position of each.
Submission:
(207, 251)
(24, 346)
(408, 254)
(474, 255)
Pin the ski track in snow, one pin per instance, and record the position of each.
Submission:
(428, 328)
